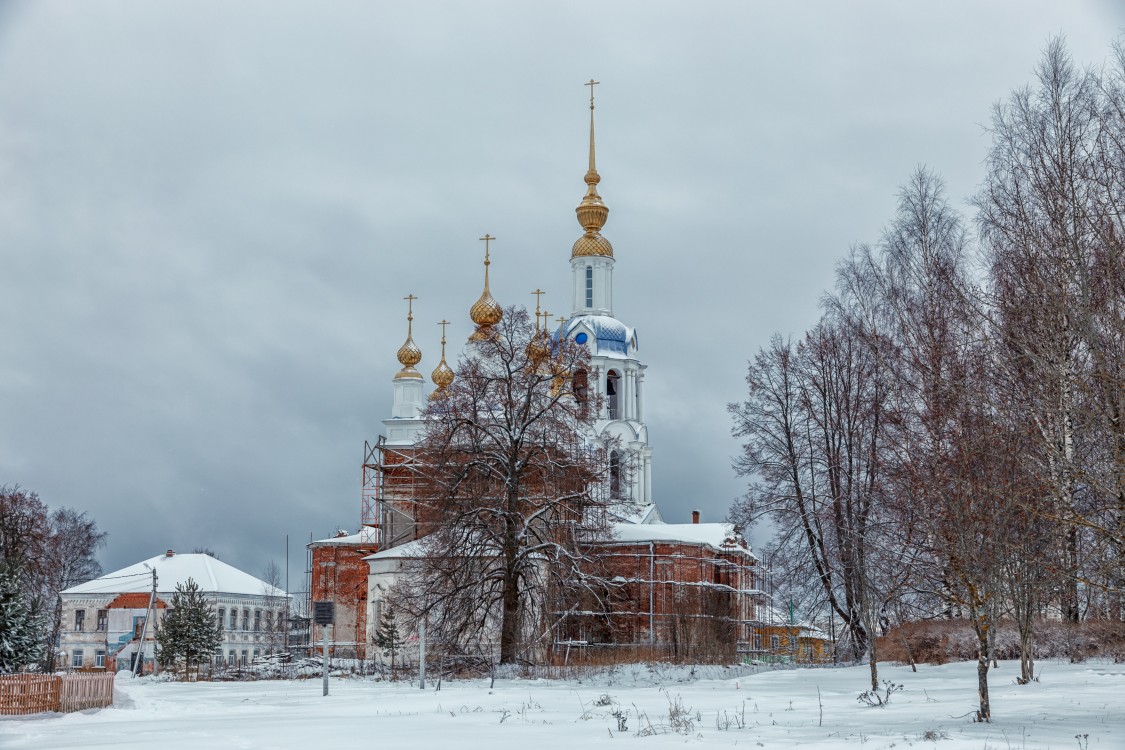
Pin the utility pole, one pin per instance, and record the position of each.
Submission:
(422, 652)
(324, 669)
(144, 627)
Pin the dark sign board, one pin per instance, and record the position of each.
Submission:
(324, 613)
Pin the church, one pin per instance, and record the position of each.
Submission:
(683, 590)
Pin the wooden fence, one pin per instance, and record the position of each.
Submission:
(22, 694)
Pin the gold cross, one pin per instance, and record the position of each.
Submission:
(443, 324)
(591, 83)
(562, 320)
(410, 306)
(486, 239)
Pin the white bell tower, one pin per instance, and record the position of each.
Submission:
(615, 370)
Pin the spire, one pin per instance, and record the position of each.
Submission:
(409, 354)
(442, 374)
(486, 312)
(592, 212)
(538, 294)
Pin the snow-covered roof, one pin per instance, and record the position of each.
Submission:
(612, 338)
(363, 536)
(212, 575)
(720, 536)
(410, 549)
(643, 514)
(770, 615)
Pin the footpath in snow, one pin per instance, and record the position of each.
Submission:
(1072, 706)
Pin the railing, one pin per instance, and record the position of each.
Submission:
(22, 694)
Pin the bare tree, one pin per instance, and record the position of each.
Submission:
(277, 608)
(514, 491)
(50, 551)
(1034, 220)
(812, 424)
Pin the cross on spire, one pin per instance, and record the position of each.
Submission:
(443, 324)
(486, 239)
(410, 314)
(592, 83)
(538, 293)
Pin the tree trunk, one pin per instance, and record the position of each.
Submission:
(1027, 658)
(510, 612)
(985, 712)
(874, 666)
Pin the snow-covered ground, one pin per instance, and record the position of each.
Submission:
(1072, 706)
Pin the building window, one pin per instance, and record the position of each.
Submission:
(589, 286)
(79, 619)
(99, 658)
(233, 618)
(245, 653)
(76, 658)
(757, 641)
(257, 653)
(232, 658)
(269, 621)
(222, 616)
(245, 619)
(612, 386)
(614, 474)
(775, 642)
(257, 620)
(103, 619)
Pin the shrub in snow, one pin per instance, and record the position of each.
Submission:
(875, 698)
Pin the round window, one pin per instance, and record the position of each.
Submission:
(580, 338)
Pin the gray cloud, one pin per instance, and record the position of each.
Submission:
(209, 216)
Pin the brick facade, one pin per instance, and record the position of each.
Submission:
(339, 575)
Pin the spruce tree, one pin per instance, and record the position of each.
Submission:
(388, 638)
(20, 625)
(190, 632)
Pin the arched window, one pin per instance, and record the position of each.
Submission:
(589, 286)
(614, 474)
(612, 386)
(580, 385)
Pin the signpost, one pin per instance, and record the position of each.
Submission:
(324, 614)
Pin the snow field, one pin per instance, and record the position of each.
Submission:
(1073, 706)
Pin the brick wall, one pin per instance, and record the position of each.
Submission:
(339, 575)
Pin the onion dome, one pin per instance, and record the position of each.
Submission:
(539, 348)
(409, 354)
(592, 211)
(486, 311)
(443, 374)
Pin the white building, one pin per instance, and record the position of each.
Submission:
(103, 619)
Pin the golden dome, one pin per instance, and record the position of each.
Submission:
(539, 348)
(409, 354)
(486, 311)
(442, 375)
(592, 211)
(591, 244)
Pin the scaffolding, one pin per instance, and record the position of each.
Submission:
(389, 506)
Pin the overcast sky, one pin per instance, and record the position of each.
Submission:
(210, 213)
